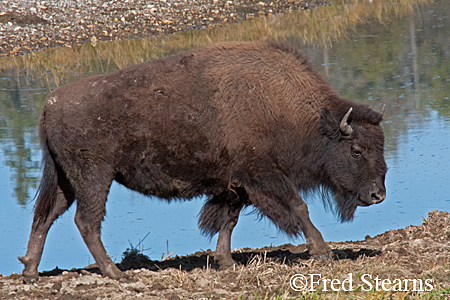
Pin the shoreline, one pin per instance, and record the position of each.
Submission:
(414, 254)
(29, 26)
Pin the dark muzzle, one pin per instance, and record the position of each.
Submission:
(378, 197)
(378, 192)
(375, 196)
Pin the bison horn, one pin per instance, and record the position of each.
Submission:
(383, 108)
(344, 127)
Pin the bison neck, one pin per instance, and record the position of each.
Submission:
(308, 168)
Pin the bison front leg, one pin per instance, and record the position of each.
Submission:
(314, 240)
(220, 214)
(280, 203)
(223, 249)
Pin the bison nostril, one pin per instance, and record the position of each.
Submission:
(377, 198)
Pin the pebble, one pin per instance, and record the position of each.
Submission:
(30, 25)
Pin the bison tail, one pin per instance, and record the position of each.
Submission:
(48, 187)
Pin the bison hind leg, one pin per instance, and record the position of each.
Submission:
(88, 218)
(38, 236)
(220, 214)
(54, 198)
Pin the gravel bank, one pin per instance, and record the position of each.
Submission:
(29, 25)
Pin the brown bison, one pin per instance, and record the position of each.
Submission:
(243, 123)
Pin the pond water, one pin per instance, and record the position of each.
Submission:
(396, 54)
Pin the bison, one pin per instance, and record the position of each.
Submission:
(243, 123)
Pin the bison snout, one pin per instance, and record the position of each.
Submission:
(375, 196)
(378, 197)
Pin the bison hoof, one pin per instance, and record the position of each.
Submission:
(29, 273)
(224, 261)
(113, 272)
(323, 257)
(30, 280)
(322, 252)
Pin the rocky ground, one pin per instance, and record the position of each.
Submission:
(30, 25)
(416, 255)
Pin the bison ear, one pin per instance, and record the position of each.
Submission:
(329, 125)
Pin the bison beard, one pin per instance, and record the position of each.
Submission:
(242, 123)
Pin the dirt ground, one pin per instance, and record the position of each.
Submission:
(418, 257)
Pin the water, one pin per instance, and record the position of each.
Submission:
(401, 59)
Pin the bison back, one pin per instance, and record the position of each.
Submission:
(178, 126)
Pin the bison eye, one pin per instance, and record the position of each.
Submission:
(356, 152)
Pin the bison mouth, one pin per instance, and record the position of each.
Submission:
(345, 203)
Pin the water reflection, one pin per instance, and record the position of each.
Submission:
(388, 52)
(18, 123)
(403, 63)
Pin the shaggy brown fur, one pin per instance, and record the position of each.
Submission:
(242, 123)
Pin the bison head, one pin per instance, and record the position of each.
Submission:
(352, 160)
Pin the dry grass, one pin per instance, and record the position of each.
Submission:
(413, 255)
